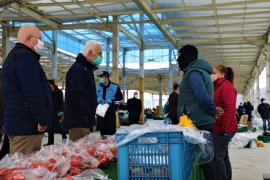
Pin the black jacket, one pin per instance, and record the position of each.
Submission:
(80, 96)
(1, 102)
(264, 110)
(134, 107)
(58, 101)
(173, 104)
(27, 94)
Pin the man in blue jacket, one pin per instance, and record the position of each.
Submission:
(80, 97)
(110, 93)
(27, 95)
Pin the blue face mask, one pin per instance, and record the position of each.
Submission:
(97, 61)
(101, 80)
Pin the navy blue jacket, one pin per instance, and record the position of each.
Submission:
(80, 96)
(27, 95)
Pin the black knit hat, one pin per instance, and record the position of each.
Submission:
(104, 73)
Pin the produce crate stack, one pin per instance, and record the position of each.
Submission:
(157, 155)
(242, 128)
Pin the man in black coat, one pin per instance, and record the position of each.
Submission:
(173, 104)
(264, 110)
(27, 97)
(249, 108)
(80, 96)
(134, 107)
(58, 108)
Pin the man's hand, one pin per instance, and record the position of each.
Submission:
(219, 111)
(41, 128)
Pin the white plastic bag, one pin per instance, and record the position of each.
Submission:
(240, 140)
(102, 109)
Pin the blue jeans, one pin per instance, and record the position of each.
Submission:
(264, 124)
(209, 169)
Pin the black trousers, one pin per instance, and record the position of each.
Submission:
(208, 168)
(221, 152)
(5, 147)
(133, 119)
(107, 124)
(55, 124)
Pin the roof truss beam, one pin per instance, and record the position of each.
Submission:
(221, 25)
(223, 16)
(248, 39)
(144, 6)
(200, 33)
(34, 15)
(131, 36)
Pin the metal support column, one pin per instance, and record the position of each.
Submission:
(115, 51)
(142, 69)
(5, 42)
(124, 78)
(108, 55)
(257, 98)
(54, 55)
(252, 95)
(160, 94)
(179, 77)
(268, 77)
(170, 72)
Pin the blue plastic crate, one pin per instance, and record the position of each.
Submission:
(162, 155)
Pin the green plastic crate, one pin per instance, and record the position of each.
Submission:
(265, 139)
(242, 129)
(196, 174)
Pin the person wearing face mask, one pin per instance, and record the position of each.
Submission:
(225, 125)
(27, 97)
(134, 106)
(264, 110)
(80, 97)
(109, 93)
(197, 96)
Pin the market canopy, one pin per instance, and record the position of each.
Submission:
(229, 32)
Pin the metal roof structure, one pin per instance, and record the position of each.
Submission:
(234, 33)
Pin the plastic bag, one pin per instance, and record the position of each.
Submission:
(204, 152)
(184, 121)
(102, 109)
(201, 139)
(240, 140)
(91, 174)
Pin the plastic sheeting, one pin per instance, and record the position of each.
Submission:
(201, 139)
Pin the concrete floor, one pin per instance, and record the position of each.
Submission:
(250, 164)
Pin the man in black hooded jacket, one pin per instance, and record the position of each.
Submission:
(196, 97)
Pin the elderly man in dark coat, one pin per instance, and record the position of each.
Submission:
(80, 97)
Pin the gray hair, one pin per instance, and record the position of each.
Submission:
(90, 45)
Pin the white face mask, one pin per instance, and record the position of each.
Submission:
(38, 48)
(213, 77)
(136, 96)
